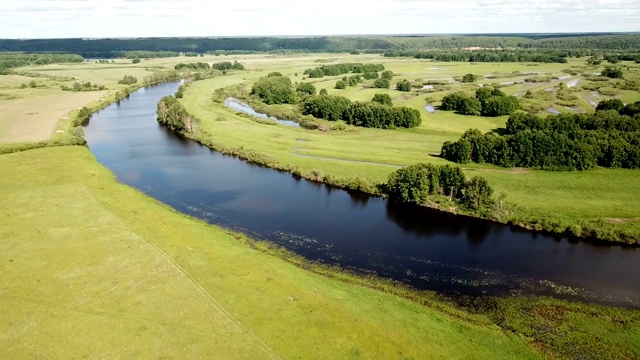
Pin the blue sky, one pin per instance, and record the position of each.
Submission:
(146, 18)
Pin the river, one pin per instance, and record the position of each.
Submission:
(421, 247)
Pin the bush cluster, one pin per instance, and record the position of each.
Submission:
(274, 90)
(415, 183)
(340, 69)
(366, 114)
(487, 102)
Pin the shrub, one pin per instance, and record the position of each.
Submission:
(469, 78)
(274, 90)
(381, 84)
(403, 85)
(383, 99)
(306, 89)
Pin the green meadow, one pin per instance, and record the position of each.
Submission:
(90, 268)
(603, 199)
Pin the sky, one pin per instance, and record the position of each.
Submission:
(152, 18)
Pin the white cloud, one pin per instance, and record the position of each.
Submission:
(137, 18)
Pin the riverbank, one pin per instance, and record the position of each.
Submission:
(187, 277)
(576, 204)
(292, 308)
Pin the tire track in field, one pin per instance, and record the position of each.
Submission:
(246, 331)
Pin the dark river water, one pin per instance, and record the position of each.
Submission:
(422, 247)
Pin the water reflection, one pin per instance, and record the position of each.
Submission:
(238, 105)
(422, 247)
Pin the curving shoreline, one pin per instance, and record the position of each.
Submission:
(588, 233)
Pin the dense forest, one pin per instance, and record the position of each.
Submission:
(497, 55)
(110, 48)
(13, 60)
(608, 138)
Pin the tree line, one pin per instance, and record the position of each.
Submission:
(109, 48)
(14, 60)
(278, 89)
(376, 114)
(609, 138)
(340, 69)
(223, 66)
(481, 56)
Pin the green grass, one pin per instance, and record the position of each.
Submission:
(604, 198)
(92, 268)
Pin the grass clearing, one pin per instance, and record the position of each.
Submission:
(35, 118)
(574, 198)
(93, 268)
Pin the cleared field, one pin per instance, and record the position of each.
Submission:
(566, 198)
(35, 118)
(91, 268)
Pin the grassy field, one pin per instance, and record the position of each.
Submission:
(34, 108)
(94, 269)
(604, 198)
(91, 268)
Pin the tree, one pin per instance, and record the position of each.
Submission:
(611, 104)
(631, 109)
(500, 105)
(341, 84)
(371, 75)
(451, 181)
(477, 193)
(459, 151)
(470, 106)
(236, 65)
(387, 74)
(128, 80)
(594, 61)
(306, 89)
(135, 61)
(612, 72)
(383, 99)
(323, 91)
(325, 106)
(484, 93)
(381, 84)
(274, 90)
(354, 80)
(453, 101)
(403, 85)
(409, 184)
(416, 182)
(469, 78)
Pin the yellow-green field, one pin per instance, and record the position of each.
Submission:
(40, 113)
(604, 197)
(91, 268)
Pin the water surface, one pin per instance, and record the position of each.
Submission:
(238, 105)
(422, 247)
